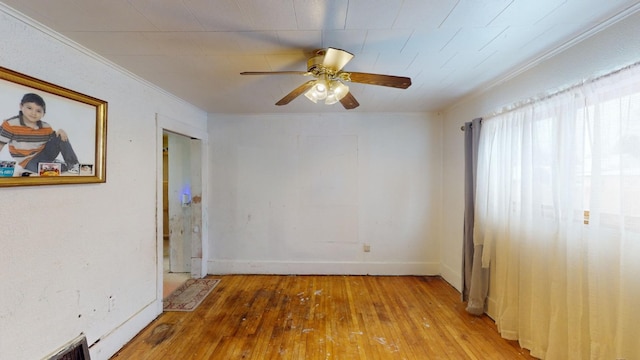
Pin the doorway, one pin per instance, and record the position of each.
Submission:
(181, 205)
(176, 214)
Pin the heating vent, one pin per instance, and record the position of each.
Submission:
(75, 350)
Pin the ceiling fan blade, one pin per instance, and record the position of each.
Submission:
(296, 92)
(379, 79)
(273, 72)
(336, 59)
(349, 102)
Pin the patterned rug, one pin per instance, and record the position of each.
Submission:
(189, 295)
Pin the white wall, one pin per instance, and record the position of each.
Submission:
(67, 249)
(614, 47)
(304, 193)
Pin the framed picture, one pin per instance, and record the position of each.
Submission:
(49, 135)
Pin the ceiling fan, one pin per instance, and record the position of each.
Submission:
(329, 80)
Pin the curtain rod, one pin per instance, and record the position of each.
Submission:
(532, 100)
(470, 125)
(462, 127)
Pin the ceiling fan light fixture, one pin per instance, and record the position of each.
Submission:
(336, 92)
(330, 91)
(311, 95)
(339, 89)
(321, 88)
(317, 92)
(331, 99)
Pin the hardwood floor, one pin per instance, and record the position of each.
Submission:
(324, 317)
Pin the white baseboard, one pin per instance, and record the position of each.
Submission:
(110, 343)
(451, 276)
(322, 268)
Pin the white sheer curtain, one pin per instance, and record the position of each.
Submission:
(558, 213)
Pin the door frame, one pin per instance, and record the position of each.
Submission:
(198, 264)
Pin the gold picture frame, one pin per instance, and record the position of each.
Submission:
(75, 123)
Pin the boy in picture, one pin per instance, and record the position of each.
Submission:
(32, 141)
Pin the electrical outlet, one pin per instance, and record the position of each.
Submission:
(112, 303)
(366, 248)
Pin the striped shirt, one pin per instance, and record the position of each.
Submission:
(24, 142)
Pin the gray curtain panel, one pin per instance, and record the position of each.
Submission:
(475, 279)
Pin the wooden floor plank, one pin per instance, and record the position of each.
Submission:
(324, 317)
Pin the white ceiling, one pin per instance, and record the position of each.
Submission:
(196, 49)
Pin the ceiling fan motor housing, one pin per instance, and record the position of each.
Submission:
(314, 64)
